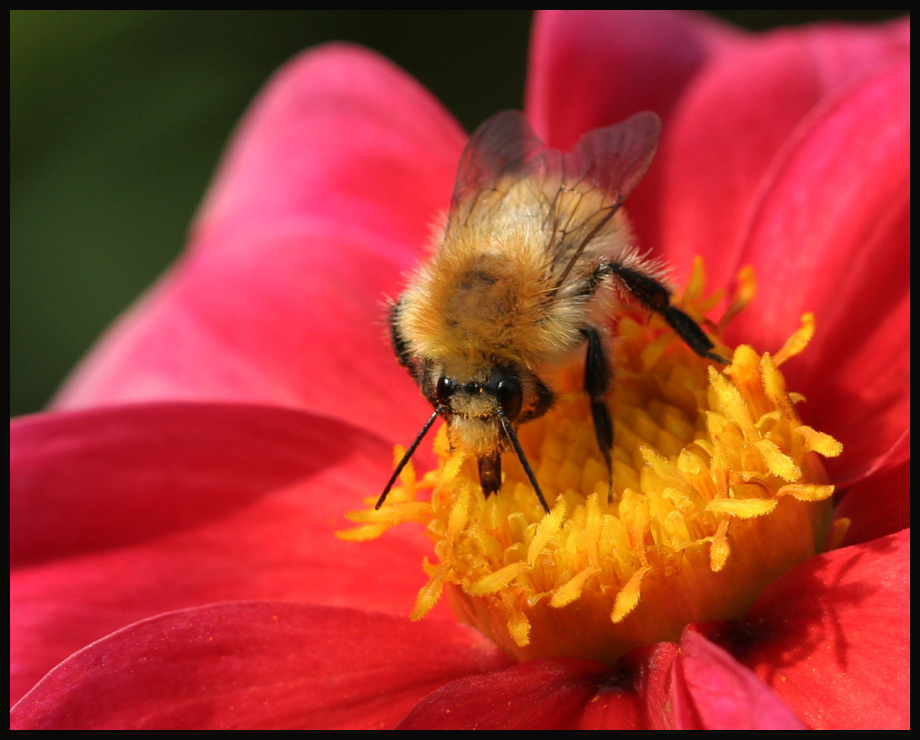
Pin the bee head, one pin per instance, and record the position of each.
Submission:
(480, 417)
(480, 413)
(501, 394)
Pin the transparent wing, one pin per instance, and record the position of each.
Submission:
(577, 192)
(597, 176)
(614, 158)
(504, 147)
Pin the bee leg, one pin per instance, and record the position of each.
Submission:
(490, 473)
(597, 380)
(688, 330)
(656, 297)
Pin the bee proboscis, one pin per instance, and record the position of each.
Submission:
(527, 270)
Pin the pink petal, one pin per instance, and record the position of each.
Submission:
(554, 694)
(833, 227)
(343, 135)
(711, 691)
(832, 637)
(591, 68)
(326, 197)
(729, 103)
(304, 331)
(736, 120)
(122, 513)
(258, 665)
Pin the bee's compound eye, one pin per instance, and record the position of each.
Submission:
(445, 389)
(510, 397)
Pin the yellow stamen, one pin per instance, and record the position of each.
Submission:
(718, 491)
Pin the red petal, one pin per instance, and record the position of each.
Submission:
(305, 330)
(877, 506)
(734, 122)
(326, 197)
(835, 224)
(344, 135)
(711, 691)
(832, 637)
(591, 68)
(554, 694)
(543, 694)
(255, 666)
(119, 514)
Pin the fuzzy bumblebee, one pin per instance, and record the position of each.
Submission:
(527, 272)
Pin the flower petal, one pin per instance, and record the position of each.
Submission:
(832, 637)
(877, 506)
(344, 135)
(326, 197)
(554, 694)
(122, 513)
(591, 68)
(302, 332)
(711, 691)
(722, 142)
(835, 222)
(258, 665)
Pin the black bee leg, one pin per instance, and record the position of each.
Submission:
(597, 380)
(690, 332)
(656, 297)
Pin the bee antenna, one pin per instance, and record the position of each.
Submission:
(509, 430)
(405, 458)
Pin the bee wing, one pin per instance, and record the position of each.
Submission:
(614, 158)
(610, 161)
(502, 146)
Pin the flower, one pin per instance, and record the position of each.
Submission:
(173, 562)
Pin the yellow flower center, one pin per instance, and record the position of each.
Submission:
(718, 491)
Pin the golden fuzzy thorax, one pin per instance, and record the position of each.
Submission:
(492, 294)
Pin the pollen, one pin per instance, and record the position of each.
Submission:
(718, 490)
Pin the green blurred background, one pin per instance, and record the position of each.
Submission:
(118, 119)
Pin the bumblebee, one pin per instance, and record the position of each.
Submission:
(532, 260)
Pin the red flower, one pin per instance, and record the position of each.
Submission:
(181, 552)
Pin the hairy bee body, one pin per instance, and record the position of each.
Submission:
(523, 282)
(489, 298)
